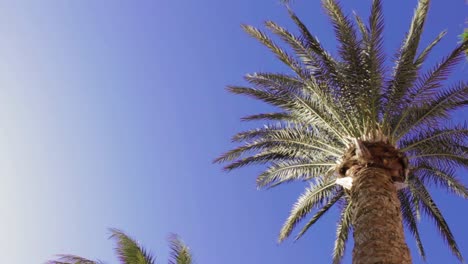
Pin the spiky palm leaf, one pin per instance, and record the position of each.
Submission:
(180, 252)
(342, 232)
(72, 259)
(130, 252)
(325, 102)
(464, 37)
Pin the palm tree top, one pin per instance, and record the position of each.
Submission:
(328, 105)
(180, 252)
(129, 251)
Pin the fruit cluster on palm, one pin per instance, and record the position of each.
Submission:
(385, 136)
(130, 252)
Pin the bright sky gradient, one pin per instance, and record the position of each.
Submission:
(112, 111)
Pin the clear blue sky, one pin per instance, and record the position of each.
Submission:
(112, 111)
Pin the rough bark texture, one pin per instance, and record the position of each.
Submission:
(376, 218)
(374, 154)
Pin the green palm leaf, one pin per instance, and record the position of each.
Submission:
(405, 72)
(286, 171)
(279, 52)
(342, 232)
(435, 109)
(313, 196)
(410, 219)
(422, 57)
(442, 177)
(427, 84)
(431, 210)
(431, 136)
(72, 259)
(320, 213)
(129, 251)
(180, 253)
(349, 46)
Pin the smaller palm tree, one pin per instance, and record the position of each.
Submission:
(130, 252)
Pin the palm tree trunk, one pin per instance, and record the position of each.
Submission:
(376, 217)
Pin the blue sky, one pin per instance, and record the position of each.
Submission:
(112, 111)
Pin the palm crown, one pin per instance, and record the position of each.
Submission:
(130, 252)
(329, 104)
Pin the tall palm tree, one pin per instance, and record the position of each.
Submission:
(367, 140)
(130, 252)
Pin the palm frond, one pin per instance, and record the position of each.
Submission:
(374, 60)
(351, 68)
(422, 57)
(280, 116)
(342, 232)
(180, 252)
(440, 152)
(405, 71)
(320, 213)
(294, 132)
(371, 75)
(313, 196)
(283, 143)
(443, 157)
(276, 82)
(434, 109)
(329, 73)
(428, 136)
(409, 219)
(362, 28)
(304, 89)
(428, 83)
(72, 259)
(346, 35)
(432, 211)
(297, 44)
(129, 251)
(442, 177)
(432, 80)
(307, 91)
(262, 158)
(281, 54)
(286, 141)
(305, 107)
(328, 65)
(286, 171)
(415, 201)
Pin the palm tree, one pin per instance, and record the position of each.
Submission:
(368, 141)
(130, 252)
